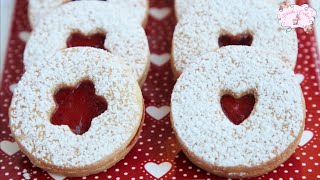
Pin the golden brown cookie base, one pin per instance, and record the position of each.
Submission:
(104, 164)
(241, 172)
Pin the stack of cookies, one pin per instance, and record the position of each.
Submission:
(236, 109)
(78, 108)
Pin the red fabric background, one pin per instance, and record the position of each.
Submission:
(157, 143)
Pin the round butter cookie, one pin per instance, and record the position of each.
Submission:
(79, 114)
(232, 24)
(185, 7)
(237, 112)
(138, 9)
(95, 23)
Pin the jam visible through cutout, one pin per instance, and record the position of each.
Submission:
(244, 39)
(77, 106)
(94, 40)
(237, 110)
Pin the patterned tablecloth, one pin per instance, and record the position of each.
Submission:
(157, 154)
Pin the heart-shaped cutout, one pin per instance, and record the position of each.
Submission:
(9, 148)
(24, 36)
(158, 170)
(237, 109)
(12, 87)
(77, 106)
(244, 39)
(56, 176)
(306, 137)
(94, 40)
(160, 60)
(159, 13)
(299, 78)
(158, 113)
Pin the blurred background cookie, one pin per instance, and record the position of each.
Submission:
(135, 9)
(95, 23)
(232, 23)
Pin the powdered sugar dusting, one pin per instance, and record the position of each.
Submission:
(198, 33)
(33, 103)
(185, 7)
(123, 37)
(40, 8)
(274, 124)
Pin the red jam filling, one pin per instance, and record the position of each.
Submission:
(77, 106)
(240, 39)
(94, 40)
(237, 110)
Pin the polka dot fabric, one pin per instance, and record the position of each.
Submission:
(157, 154)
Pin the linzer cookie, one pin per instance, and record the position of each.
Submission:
(79, 114)
(198, 34)
(135, 9)
(185, 7)
(95, 23)
(238, 112)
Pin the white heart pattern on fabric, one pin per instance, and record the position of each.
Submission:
(299, 78)
(158, 113)
(306, 137)
(56, 176)
(24, 36)
(158, 170)
(160, 60)
(159, 13)
(12, 87)
(9, 147)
